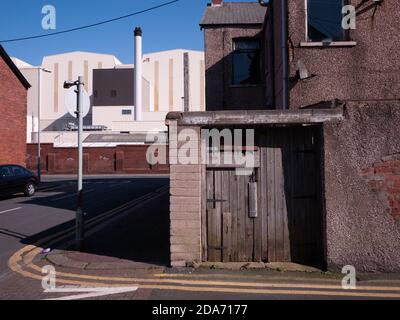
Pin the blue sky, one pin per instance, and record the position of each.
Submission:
(172, 27)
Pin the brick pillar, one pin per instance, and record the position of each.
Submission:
(51, 158)
(119, 161)
(185, 199)
(86, 166)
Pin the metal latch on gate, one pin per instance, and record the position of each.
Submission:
(216, 200)
(253, 199)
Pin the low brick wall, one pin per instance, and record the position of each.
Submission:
(384, 179)
(110, 160)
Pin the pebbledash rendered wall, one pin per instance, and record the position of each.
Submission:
(220, 93)
(361, 152)
(362, 187)
(365, 68)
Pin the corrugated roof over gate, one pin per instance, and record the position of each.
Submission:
(231, 13)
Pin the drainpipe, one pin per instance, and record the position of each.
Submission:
(285, 55)
(284, 51)
(138, 74)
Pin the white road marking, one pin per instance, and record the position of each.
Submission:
(71, 195)
(10, 210)
(89, 292)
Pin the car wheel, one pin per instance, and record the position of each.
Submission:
(30, 189)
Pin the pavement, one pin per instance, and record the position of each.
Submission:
(126, 253)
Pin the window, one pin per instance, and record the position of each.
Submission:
(5, 172)
(324, 20)
(246, 62)
(126, 112)
(18, 171)
(113, 93)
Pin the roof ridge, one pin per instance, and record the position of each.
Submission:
(7, 59)
(234, 13)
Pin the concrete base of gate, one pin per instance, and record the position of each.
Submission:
(277, 266)
(288, 266)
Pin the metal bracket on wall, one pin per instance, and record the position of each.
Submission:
(253, 200)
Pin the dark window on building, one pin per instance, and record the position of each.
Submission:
(126, 112)
(246, 61)
(113, 93)
(324, 20)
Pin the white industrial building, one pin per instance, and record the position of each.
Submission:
(171, 81)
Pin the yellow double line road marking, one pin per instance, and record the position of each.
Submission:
(24, 259)
(28, 253)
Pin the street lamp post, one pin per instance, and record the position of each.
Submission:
(39, 169)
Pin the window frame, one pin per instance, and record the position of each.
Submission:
(22, 172)
(129, 112)
(10, 172)
(234, 51)
(343, 42)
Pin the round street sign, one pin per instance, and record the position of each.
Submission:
(71, 102)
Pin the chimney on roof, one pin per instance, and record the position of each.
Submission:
(216, 3)
(138, 74)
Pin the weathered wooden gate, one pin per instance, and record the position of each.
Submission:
(275, 214)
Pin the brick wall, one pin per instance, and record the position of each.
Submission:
(119, 160)
(384, 179)
(185, 202)
(13, 105)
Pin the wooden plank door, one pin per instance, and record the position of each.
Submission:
(292, 161)
(230, 230)
(305, 215)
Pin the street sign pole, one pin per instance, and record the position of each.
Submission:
(79, 106)
(79, 212)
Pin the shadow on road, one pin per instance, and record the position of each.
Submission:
(139, 235)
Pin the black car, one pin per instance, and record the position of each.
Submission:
(16, 179)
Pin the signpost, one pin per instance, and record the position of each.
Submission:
(78, 104)
(71, 102)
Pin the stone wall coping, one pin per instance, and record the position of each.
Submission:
(255, 117)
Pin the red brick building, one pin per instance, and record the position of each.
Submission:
(13, 104)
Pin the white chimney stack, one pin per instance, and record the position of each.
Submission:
(138, 74)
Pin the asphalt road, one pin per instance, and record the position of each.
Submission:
(24, 221)
(142, 235)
